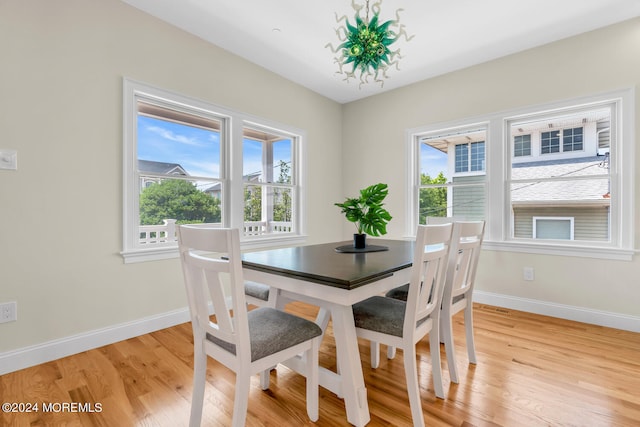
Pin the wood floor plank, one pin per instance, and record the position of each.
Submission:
(532, 371)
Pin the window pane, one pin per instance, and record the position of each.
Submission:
(553, 228)
(282, 205)
(462, 158)
(252, 170)
(282, 161)
(477, 156)
(252, 203)
(433, 202)
(550, 142)
(446, 187)
(185, 201)
(572, 139)
(522, 145)
(175, 148)
(433, 164)
(468, 200)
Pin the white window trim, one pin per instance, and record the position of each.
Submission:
(231, 173)
(498, 157)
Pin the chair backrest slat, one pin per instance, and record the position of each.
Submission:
(428, 272)
(466, 245)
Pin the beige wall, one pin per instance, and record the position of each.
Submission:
(61, 70)
(592, 63)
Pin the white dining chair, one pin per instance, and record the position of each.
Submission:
(247, 342)
(466, 244)
(402, 324)
(401, 291)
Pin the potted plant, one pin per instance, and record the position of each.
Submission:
(367, 213)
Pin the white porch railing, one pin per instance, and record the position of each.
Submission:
(165, 234)
(258, 228)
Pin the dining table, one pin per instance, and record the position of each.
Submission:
(334, 276)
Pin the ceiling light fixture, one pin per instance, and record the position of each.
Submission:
(366, 45)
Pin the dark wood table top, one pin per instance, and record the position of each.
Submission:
(324, 265)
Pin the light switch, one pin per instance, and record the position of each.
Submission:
(9, 159)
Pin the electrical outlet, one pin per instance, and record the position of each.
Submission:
(8, 312)
(527, 273)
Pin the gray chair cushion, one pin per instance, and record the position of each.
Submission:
(380, 314)
(402, 292)
(256, 290)
(273, 330)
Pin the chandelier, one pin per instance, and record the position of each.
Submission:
(364, 51)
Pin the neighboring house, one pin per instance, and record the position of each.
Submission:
(149, 167)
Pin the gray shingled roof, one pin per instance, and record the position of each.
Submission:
(560, 192)
(150, 166)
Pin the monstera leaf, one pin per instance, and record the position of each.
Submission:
(367, 211)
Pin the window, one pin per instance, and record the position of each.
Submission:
(521, 145)
(178, 169)
(552, 228)
(268, 181)
(572, 139)
(576, 185)
(567, 187)
(469, 157)
(550, 142)
(477, 156)
(445, 186)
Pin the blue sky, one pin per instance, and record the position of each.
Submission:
(432, 161)
(197, 150)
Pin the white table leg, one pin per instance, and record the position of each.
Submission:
(348, 354)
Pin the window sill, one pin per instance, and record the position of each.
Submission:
(583, 251)
(171, 251)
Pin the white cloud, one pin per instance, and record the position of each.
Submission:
(167, 134)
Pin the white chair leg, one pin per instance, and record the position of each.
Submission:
(391, 352)
(436, 366)
(241, 400)
(199, 380)
(468, 326)
(449, 348)
(411, 374)
(264, 378)
(312, 381)
(375, 354)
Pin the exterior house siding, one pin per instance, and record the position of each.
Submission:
(590, 223)
(468, 202)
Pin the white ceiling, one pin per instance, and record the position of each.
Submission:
(288, 37)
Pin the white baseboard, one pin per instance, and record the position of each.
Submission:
(578, 314)
(41, 353)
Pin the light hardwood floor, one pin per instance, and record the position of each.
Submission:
(532, 371)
